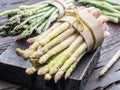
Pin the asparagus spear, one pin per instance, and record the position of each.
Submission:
(107, 4)
(39, 29)
(109, 8)
(54, 42)
(27, 20)
(35, 67)
(112, 19)
(50, 20)
(112, 2)
(111, 14)
(116, 7)
(25, 13)
(57, 48)
(110, 63)
(73, 66)
(28, 12)
(44, 34)
(41, 69)
(65, 56)
(47, 76)
(8, 12)
(14, 11)
(41, 12)
(20, 15)
(33, 10)
(70, 61)
(31, 70)
(34, 25)
(50, 65)
(97, 4)
(27, 53)
(55, 33)
(7, 27)
(36, 5)
(3, 33)
(53, 61)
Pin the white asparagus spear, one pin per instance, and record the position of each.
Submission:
(110, 63)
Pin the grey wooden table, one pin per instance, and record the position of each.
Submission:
(111, 81)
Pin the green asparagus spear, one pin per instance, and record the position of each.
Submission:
(34, 25)
(50, 20)
(112, 2)
(111, 14)
(8, 12)
(97, 4)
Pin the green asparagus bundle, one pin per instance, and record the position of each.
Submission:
(109, 8)
(58, 50)
(37, 17)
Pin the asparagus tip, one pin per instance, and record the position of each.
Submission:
(19, 52)
(24, 53)
(43, 59)
(58, 76)
(32, 59)
(47, 76)
(39, 72)
(101, 74)
(30, 71)
(36, 54)
(67, 75)
(56, 79)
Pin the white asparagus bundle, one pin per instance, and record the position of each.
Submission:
(60, 48)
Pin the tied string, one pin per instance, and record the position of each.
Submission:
(74, 13)
(78, 18)
(82, 21)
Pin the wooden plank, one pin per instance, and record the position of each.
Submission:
(4, 85)
(14, 67)
(6, 42)
(11, 63)
(8, 86)
(11, 4)
(115, 87)
(111, 45)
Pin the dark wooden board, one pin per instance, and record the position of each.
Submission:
(109, 48)
(12, 69)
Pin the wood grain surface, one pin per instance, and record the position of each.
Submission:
(109, 82)
(109, 48)
(5, 42)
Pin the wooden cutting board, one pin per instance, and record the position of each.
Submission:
(12, 67)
